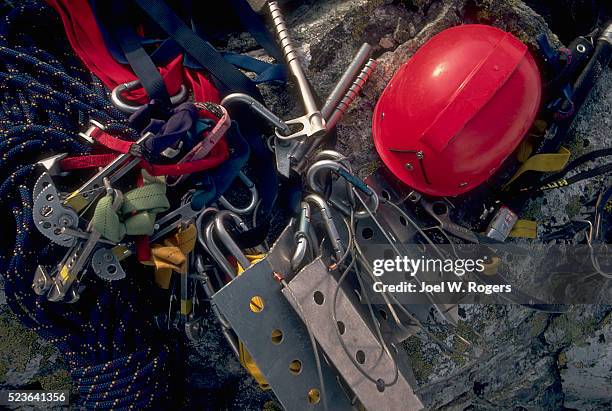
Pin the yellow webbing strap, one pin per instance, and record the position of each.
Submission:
(171, 255)
(253, 258)
(249, 364)
(524, 229)
(245, 358)
(542, 162)
(524, 150)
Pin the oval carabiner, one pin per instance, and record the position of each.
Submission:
(215, 252)
(224, 236)
(328, 221)
(131, 85)
(351, 180)
(254, 197)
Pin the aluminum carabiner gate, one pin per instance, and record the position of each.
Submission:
(303, 240)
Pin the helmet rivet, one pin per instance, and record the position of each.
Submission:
(409, 166)
(420, 155)
(382, 115)
(580, 48)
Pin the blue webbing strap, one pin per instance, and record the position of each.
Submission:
(136, 56)
(251, 21)
(266, 72)
(229, 77)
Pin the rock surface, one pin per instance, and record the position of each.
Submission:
(528, 359)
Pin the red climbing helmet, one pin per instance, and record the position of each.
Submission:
(457, 109)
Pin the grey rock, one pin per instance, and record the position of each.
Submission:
(586, 371)
(18, 378)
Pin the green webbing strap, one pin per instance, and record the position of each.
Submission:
(136, 213)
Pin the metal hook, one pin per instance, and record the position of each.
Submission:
(131, 85)
(254, 197)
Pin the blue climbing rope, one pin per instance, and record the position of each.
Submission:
(115, 354)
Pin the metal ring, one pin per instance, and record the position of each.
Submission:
(131, 85)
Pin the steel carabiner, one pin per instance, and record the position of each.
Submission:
(333, 155)
(351, 180)
(227, 240)
(122, 105)
(257, 107)
(200, 229)
(215, 230)
(215, 252)
(254, 197)
(328, 221)
(302, 237)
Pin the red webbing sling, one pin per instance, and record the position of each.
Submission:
(87, 41)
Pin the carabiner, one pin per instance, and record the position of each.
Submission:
(257, 107)
(254, 197)
(351, 180)
(132, 85)
(200, 229)
(215, 252)
(302, 237)
(227, 240)
(328, 221)
(333, 155)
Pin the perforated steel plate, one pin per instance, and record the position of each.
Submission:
(275, 336)
(313, 289)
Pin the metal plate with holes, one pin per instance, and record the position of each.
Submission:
(106, 265)
(51, 216)
(275, 336)
(399, 229)
(43, 181)
(313, 288)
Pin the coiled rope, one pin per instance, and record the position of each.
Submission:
(115, 355)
